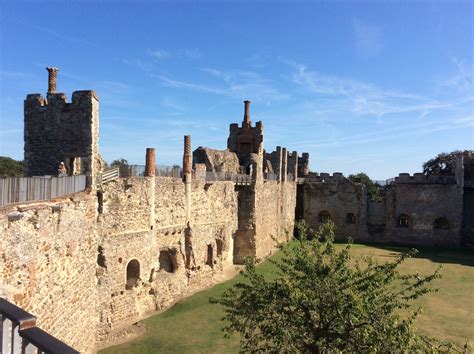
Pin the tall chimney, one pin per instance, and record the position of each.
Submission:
(150, 162)
(247, 112)
(52, 76)
(187, 164)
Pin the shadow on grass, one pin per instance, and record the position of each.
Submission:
(435, 254)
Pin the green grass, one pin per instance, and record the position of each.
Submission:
(194, 326)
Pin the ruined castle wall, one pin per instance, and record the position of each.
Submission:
(148, 216)
(338, 199)
(274, 219)
(423, 203)
(376, 220)
(217, 160)
(48, 265)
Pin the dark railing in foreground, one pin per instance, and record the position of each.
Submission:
(19, 334)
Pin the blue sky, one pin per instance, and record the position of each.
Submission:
(372, 86)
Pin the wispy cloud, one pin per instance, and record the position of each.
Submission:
(363, 98)
(139, 63)
(61, 36)
(238, 84)
(463, 80)
(192, 53)
(217, 73)
(368, 38)
(393, 133)
(158, 54)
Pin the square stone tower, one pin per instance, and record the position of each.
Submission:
(57, 131)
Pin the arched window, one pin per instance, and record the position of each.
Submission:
(166, 261)
(324, 216)
(350, 218)
(441, 223)
(133, 274)
(403, 220)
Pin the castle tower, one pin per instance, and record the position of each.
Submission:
(57, 131)
(245, 140)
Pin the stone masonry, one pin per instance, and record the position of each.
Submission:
(90, 264)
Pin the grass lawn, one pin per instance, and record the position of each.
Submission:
(193, 325)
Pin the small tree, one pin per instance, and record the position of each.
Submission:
(373, 190)
(324, 301)
(442, 164)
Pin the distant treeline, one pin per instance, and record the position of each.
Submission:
(10, 167)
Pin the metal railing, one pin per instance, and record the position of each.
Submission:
(269, 176)
(209, 176)
(160, 171)
(19, 334)
(26, 189)
(110, 175)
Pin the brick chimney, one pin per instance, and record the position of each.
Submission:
(246, 114)
(52, 76)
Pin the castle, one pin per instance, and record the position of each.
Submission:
(90, 264)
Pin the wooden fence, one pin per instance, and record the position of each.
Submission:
(25, 189)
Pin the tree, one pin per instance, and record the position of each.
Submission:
(123, 166)
(373, 190)
(10, 167)
(442, 164)
(322, 300)
(119, 163)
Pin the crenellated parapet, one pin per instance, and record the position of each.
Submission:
(420, 178)
(324, 177)
(280, 163)
(60, 131)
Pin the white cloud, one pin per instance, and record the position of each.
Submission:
(238, 84)
(191, 53)
(463, 80)
(368, 39)
(158, 53)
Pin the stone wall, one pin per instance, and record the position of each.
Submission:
(422, 200)
(48, 265)
(148, 219)
(58, 131)
(423, 203)
(274, 216)
(343, 201)
(217, 160)
(266, 215)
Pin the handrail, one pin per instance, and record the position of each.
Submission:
(18, 330)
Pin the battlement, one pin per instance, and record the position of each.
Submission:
(280, 163)
(420, 178)
(59, 100)
(324, 177)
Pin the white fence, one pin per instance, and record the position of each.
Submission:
(25, 189)
(209, 176)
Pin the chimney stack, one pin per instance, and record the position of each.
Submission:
(52, 76)
(247, 112)
(150, 162)
(187, 164)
